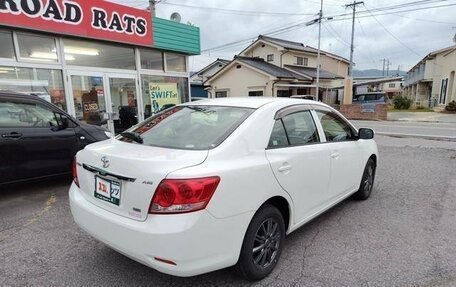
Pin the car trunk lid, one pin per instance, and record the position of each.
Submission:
(122, 177)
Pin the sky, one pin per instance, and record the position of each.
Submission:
(402, 38)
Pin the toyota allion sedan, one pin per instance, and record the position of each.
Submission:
(218, 183)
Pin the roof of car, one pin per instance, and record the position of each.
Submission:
(16, 94)
(249, 102)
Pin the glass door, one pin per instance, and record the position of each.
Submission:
(89, 99)
(123, 95)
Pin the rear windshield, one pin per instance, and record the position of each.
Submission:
(190, 127)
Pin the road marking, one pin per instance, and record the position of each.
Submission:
(46, 208)
(48, 205)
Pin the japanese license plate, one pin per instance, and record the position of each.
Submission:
(107, 190)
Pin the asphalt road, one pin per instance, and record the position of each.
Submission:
(404, 235)
(443, 131)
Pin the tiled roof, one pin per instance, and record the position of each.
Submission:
(297, 46)
(269, 68)
(312, 72)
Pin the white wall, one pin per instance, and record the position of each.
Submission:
(238, 82)
(262, 52)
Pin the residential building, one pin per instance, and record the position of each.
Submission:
(198, 78)
(431, 81)
(391, 86)
(279, 68)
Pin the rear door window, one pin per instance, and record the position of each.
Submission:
(294, 129)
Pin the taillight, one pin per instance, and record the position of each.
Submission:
(183, 195)
(75, 173)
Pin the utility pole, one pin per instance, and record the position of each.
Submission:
(388, 64)
(383, 71)
(320, 15)
(152, 6)
(353, 6)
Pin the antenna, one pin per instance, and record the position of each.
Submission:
(176, 17)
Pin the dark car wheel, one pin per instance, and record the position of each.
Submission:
(367, 181)
(262, 244)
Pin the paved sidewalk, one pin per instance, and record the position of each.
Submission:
(422, 117)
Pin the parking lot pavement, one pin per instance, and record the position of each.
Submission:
(404, 235)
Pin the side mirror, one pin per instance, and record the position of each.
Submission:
(365, 134)
(63, 122)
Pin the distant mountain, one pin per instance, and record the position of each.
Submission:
(375, 73)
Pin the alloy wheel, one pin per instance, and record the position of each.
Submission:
(266, 243)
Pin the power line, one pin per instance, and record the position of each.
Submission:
(239, 12)
(277, 30)
(387, 13)
(392, 35)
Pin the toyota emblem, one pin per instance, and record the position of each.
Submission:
(105, 162)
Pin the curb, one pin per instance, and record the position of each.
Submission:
(427, 137)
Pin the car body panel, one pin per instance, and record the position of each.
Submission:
(126, 165)
(36, 152)
(247, 180)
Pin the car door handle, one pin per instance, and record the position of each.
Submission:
(284, 168)
(12, 135)
(335, 155)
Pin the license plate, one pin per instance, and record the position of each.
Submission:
(107, 190)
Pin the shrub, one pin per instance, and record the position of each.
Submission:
(402, 103)
(451, 107)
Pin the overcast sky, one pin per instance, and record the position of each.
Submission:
(403, 38)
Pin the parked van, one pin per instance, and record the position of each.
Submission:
(375, 97)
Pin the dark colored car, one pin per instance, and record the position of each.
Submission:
(367, 98)
(37, 139)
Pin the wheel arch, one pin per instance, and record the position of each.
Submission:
(283, 206)
(374, 158)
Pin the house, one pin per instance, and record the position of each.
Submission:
(391, 86)
(275, 67)
(198, 78)
(431, 81)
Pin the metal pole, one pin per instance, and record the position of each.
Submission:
(320, 15)
(152, 7)
(350, 69)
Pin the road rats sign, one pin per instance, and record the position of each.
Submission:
(95, 19)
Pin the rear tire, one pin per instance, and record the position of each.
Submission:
(367, 181)
(262, 245)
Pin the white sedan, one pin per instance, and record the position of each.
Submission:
(212, 184)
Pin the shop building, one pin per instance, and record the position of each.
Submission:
(104, 63)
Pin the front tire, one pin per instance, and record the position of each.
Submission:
(367, 181)
(262, 245)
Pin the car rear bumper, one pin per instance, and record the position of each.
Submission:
(197, 242)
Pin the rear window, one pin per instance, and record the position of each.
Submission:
(190, 127)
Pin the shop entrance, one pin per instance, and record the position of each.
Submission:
(105, 99)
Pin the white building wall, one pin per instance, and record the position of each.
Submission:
(290, 59)
(263, 52)
(238, 82)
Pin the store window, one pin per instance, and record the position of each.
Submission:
(45, 83)
(175, 62)
(6, 47)
(95, 54)
(151, 59)
(34, 48)
(160, 93)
